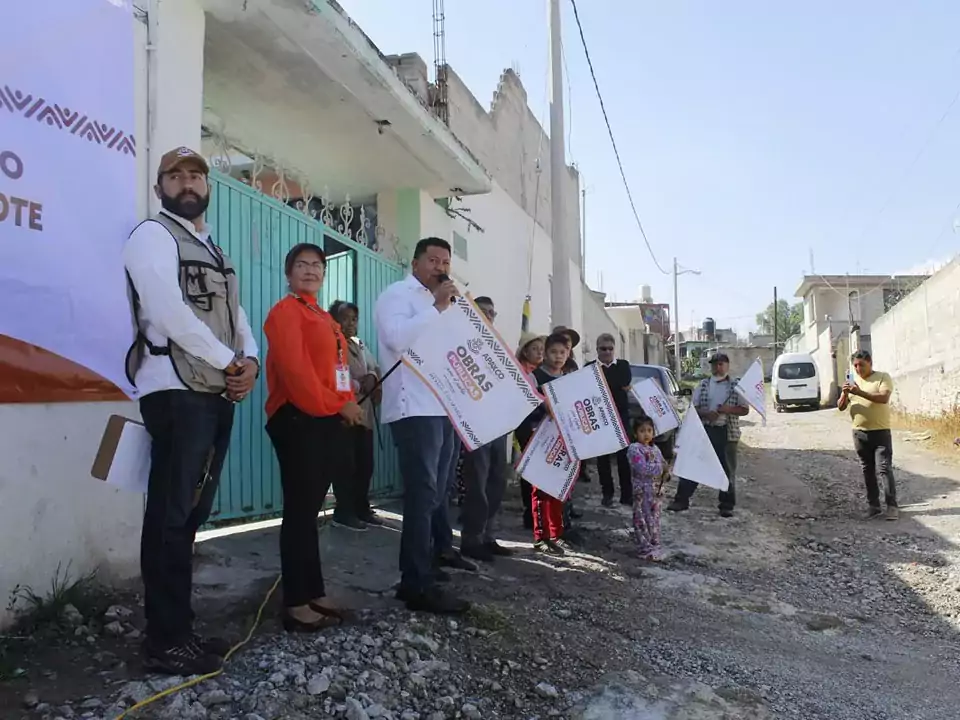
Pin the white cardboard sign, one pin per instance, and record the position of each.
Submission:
(473, 374)
(546, 464)
(586, 416)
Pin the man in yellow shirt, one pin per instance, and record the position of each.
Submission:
(867, 396)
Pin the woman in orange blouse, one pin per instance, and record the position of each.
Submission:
(310, 407)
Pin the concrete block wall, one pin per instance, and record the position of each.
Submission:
(507, 141)
(918, 343)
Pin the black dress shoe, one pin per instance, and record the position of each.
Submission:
(456, 561)
(477, 552)
(497, 550)
(436, 602)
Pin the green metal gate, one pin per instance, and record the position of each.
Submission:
(257, 231)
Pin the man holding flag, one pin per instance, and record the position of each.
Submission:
(720, 407)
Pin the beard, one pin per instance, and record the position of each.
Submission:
(188, 204)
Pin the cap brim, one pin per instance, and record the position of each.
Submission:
(198, 159)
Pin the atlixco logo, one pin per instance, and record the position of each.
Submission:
(587, 415)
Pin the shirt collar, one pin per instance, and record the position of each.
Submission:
(725, 378)
(188, 225)
(416, 284)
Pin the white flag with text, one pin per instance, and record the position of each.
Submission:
(656, 405)
(546, 464)
(696, 458)
(750, 387)
(473, 374)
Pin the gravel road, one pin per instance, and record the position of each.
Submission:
(794, 609)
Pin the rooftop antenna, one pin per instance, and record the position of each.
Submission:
(812, 270)
(440, 106)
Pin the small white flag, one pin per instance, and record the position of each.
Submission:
(696, 458)
(656, 405)
(750, 388)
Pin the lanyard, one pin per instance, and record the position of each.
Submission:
(316, 311)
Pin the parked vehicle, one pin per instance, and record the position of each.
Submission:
(796, 381)
(678, 396)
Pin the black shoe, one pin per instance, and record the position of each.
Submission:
(370, 518)
(349, 522)
(607, 501)
(726, 512)
(436, 602)
(575, 514)
(678, 506)
(212, 645)
(497, 550)
(455, 560)
(564, 544)
(477, 552)
(184, 659)
(626, 501)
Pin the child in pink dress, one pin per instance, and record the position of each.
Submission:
(648, 469)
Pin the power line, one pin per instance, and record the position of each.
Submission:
(613, 141)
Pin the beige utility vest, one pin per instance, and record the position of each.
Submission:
(208, 283)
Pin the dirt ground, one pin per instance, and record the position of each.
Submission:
(795, 608)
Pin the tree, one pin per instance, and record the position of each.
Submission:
(789, 319)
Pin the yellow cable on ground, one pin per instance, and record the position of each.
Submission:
(200, 678)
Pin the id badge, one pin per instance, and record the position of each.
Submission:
(343, 380)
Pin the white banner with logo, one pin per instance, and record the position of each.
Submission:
(67, 179)
(696, 458)
(750, 387)
(546, 464)
(656, 405)
(587, 418)
(474, 375)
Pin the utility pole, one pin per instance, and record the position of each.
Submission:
(776, 312)
(676, 324)
(583, 234)
(677, 272)
(561, 305)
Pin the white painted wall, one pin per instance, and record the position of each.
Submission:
(53, 513)
(596, 321)
(498, 259)
(918, 343)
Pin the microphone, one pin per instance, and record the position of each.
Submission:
(443, 277)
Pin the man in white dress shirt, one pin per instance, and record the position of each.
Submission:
(426, 442)
(193, 359)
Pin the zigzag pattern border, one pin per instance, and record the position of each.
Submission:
(468, 431)
(611, 410)
(495, 347)
(76, 123)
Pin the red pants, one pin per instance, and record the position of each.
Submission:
(547, 516)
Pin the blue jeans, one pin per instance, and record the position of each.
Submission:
(427, 448)
(190, 432)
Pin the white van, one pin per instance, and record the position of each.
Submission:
(796, 381)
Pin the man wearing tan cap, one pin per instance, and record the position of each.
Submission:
(194, 357)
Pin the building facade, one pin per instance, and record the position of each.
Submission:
(313, 135)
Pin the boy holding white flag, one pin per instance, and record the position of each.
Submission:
(720, 407)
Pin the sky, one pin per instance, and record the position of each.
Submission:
(754, 135)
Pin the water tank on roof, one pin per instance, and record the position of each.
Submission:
(645, 295)
(709, 328)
